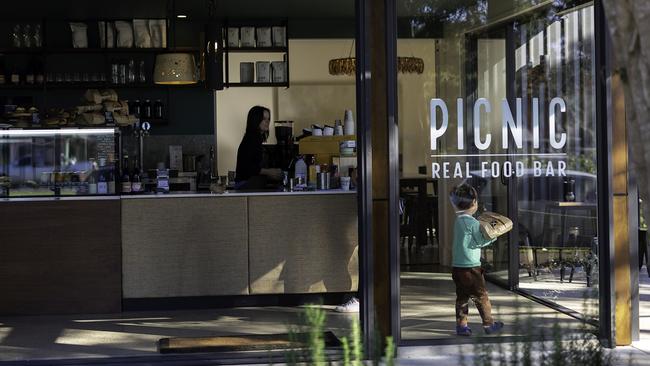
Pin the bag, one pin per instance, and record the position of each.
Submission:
(493, 224)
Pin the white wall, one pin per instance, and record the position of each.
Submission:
(315, 96)
(414, 93)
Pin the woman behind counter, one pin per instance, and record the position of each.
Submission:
(250, 155)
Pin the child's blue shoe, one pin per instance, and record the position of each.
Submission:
(463, 331)
(494, 328)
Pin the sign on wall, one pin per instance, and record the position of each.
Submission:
(523, 157)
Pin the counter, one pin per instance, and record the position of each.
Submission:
(235, 244)
(91, 254)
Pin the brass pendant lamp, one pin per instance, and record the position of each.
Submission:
(348, 65)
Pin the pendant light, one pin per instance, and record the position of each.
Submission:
(348, 65)
(175, 69)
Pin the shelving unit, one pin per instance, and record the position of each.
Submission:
(57, 58)
(267, 50)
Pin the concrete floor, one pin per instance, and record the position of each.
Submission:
(136, 334)
(428, 309)
(427, 312)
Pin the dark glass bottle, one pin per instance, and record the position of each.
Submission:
(2, 70)
(158, 109)
(39, 73)
(126, 179)
(146, 109)
(136, 108)
(29, 75)
(15, 76)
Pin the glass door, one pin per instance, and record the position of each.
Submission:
(492, 165)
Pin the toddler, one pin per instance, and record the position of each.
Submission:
(466, 262)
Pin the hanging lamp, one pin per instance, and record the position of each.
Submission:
(348, 65)
(175, 69)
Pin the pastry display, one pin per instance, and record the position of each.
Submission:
(98, 107)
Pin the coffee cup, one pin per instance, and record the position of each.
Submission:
(317, 132)
(328, 131)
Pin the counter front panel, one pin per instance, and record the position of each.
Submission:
(193, 246)
(303, 244)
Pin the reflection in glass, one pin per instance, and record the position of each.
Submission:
(471, 53)
(557, 215)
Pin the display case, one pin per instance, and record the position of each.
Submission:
(58, 162)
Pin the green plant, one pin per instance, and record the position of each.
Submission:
(316, 321)
(389, 352)
(313, 325)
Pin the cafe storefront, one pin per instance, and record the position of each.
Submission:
(516, 98)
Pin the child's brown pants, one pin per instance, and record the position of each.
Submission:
(470, 284)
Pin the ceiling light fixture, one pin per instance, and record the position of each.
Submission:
(348, 65)
(181, 16)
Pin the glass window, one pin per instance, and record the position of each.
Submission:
(505, 104)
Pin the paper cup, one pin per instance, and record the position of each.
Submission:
(345, 183)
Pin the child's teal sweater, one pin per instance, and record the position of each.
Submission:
(468, 241)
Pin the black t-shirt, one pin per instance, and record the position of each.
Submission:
(249, 157)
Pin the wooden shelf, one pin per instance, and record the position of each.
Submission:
(22, 51)
(257, 49)
(65, 50)
(279, 85)
(95, 85)
(20, 87)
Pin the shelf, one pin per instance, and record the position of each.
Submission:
(20, 87)
(257, 49)
(65, 50)
(95, 85)
(279, 85)
(22, 51)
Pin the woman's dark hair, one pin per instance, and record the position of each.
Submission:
(255, 116)
(462, 196)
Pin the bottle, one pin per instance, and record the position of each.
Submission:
(136, 184)
(131, 72)
(301, 169)
(29, 75)
(122, 73)
(146, 109)
(110, 182)
(126, 180)
(15, 76)
(39, 73)
(136, 109)
(92, 182)
(158, 109)
(102, 185)
(2, 70)
(142, 72)
(314, 169)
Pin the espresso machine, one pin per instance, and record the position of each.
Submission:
(282, 154)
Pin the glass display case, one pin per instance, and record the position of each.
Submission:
(58, 162)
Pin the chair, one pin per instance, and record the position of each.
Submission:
(418, 219)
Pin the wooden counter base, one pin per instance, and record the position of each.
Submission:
(60, 257)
